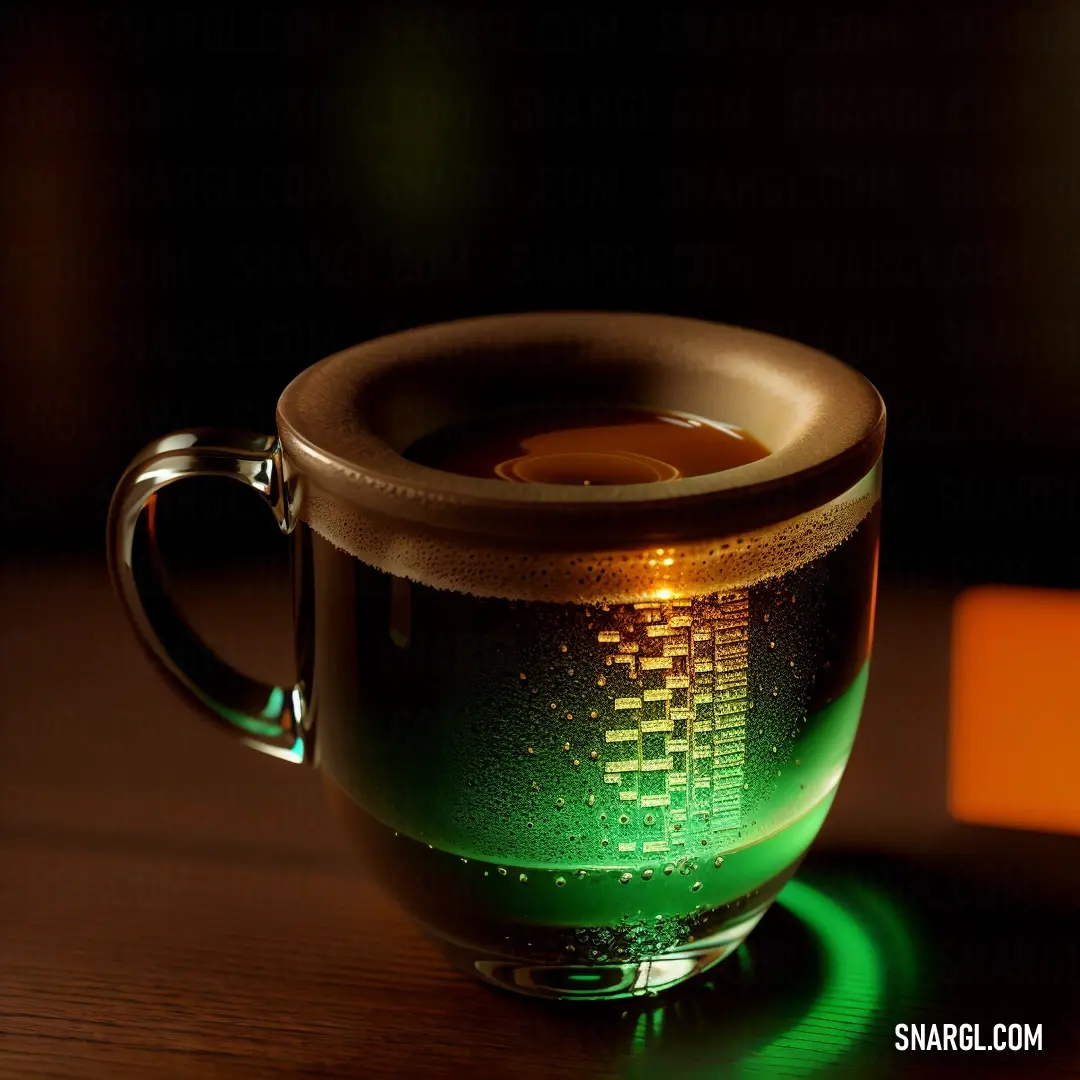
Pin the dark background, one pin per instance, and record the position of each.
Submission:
(195, 205)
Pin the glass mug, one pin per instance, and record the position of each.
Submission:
(586, 734)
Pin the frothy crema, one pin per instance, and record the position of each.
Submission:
(346, 422)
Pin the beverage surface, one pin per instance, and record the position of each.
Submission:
(594, 446)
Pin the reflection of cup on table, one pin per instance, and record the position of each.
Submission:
(585, 733)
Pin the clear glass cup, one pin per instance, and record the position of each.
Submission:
(585, 734)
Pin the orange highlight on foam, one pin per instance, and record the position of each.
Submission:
(1014, 738)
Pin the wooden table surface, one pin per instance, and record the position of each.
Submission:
(175, 905)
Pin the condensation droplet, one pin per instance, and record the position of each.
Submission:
(569, 716)
(530, 750)
(560, 881)
(609, 661)
(523, 878)
(591, 800)
(695, 886)
(522, 675)
(562, 647)
(593, 715)
(625, 879)
(774, 749)
(570, 672)
(583, 873)
(593, 755)
(576, 762)
(566, 746)
(746, 787)
(772, 644)
(668, 870)
(766, 616)
(718, 861)
(646, 874)
(601, 681)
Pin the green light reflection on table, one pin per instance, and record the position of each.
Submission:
(853, 991)
(869, 957)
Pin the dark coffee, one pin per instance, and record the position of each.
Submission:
(589, 446)
(585, 783)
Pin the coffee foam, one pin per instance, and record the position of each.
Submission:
(467, 563)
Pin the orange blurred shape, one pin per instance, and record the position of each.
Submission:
(1014, 740)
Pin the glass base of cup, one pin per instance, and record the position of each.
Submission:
(598, 982)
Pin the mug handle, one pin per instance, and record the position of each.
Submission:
(268, 718)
